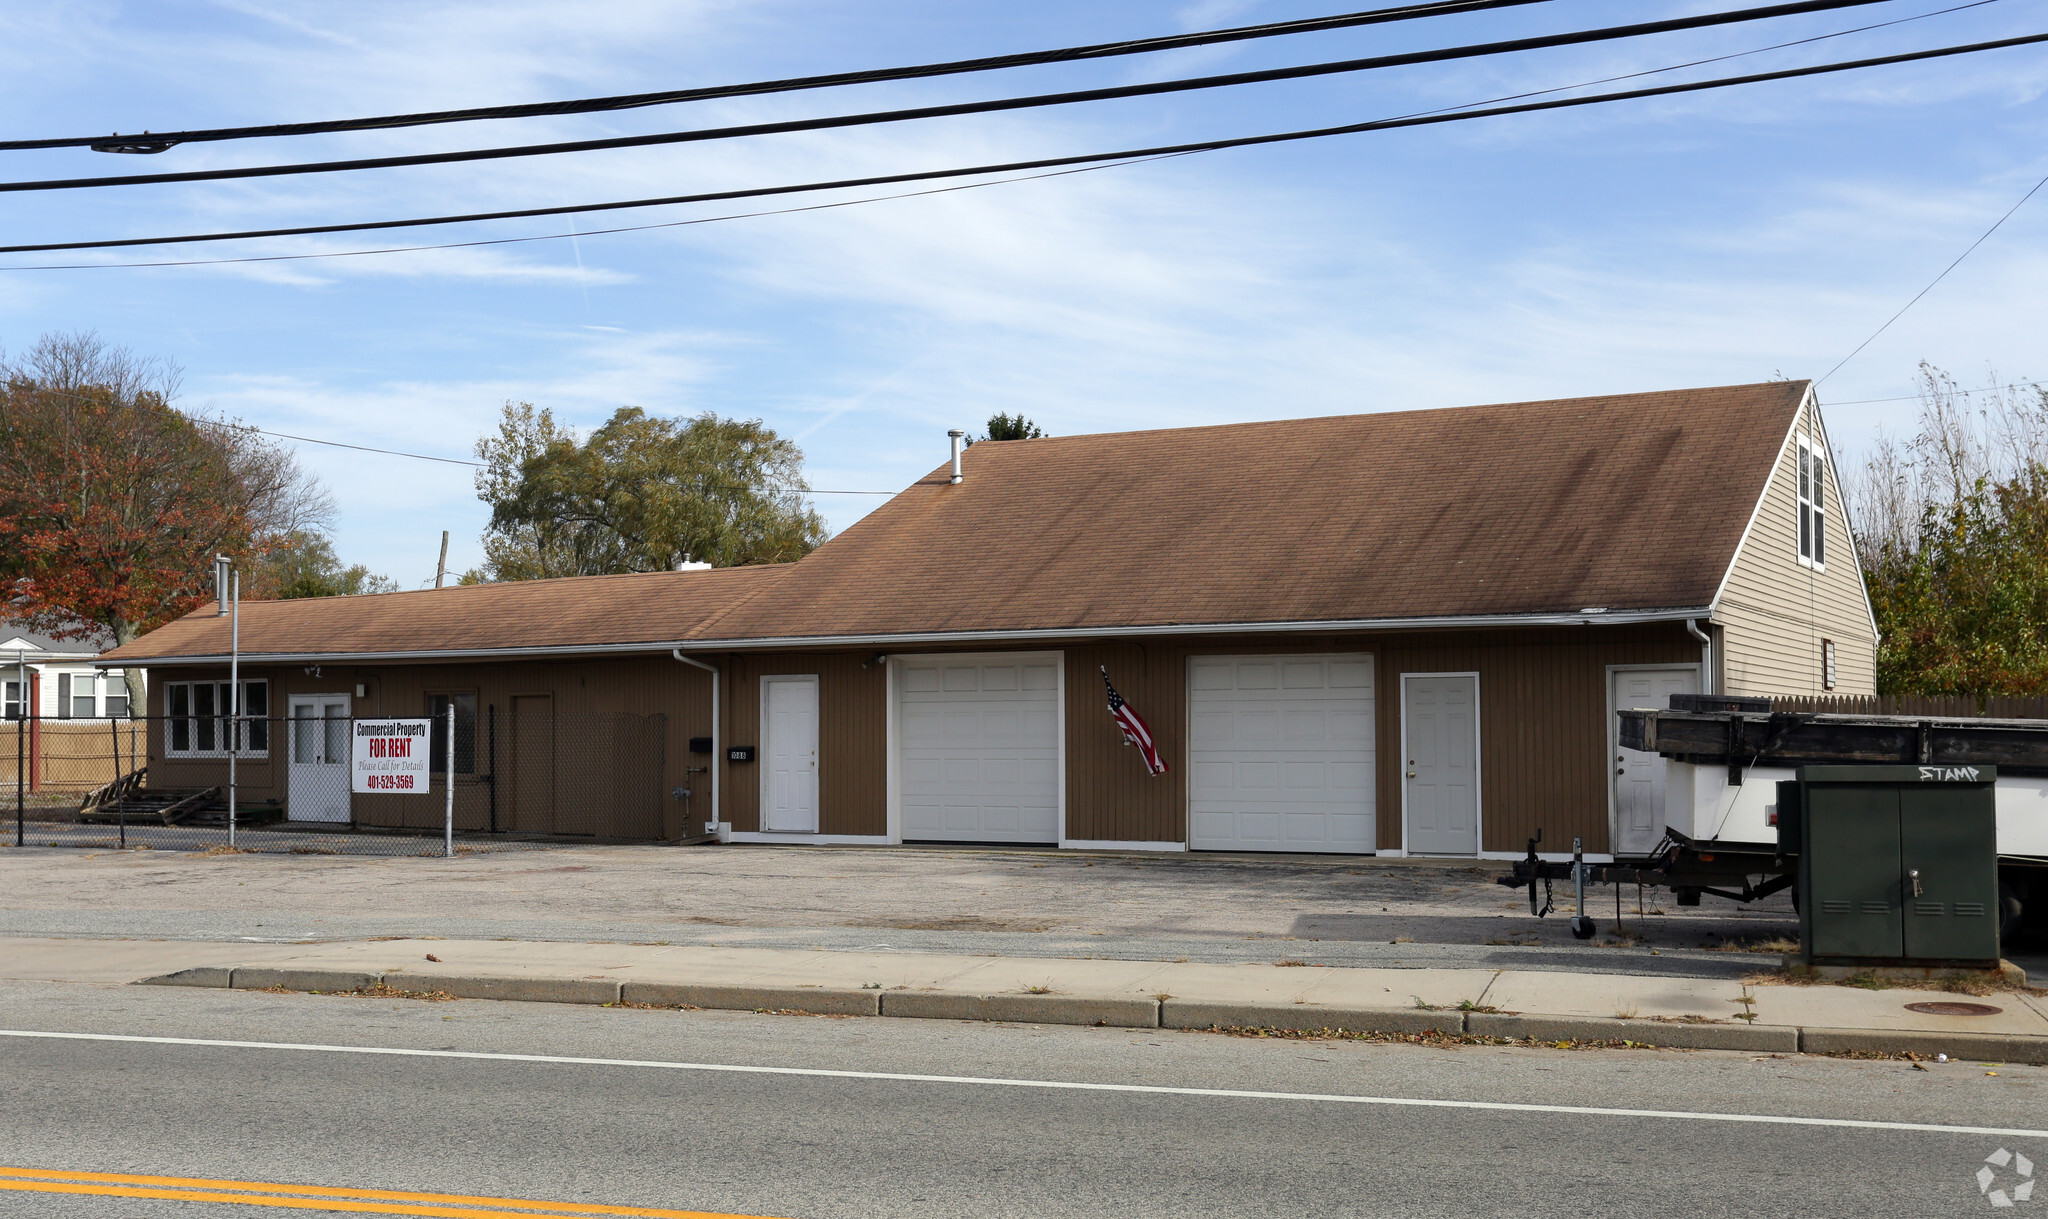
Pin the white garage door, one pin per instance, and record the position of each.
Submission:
(979, 748)
(1280, 753)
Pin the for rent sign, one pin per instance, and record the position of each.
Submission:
(390, 756)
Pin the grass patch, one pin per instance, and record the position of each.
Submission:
(1778, 944)
(1789, 976)
(653, 1007)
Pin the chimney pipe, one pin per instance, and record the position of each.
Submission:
(956, 434)
(220, 584)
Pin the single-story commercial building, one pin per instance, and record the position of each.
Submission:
(1402, 633)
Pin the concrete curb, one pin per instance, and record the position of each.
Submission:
(1024, 1009)
(248, 978)
(521, 990)
(1985, 1047)
(1192, 1014)
(204, 975)
(1782, 1039)
(1130, 1012)
(818, 1000)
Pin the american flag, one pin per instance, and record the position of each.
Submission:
(1135, 731)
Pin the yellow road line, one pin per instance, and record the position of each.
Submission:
(388, 1202)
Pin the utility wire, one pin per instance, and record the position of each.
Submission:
(1169, 150)
(815, 207)
(158, 141)
(951, 110)
(1936, 280)
(971, 186)
(1917, 397)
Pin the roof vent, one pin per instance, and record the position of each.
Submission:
(956, 434)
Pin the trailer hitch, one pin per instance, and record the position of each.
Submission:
(1534, 869)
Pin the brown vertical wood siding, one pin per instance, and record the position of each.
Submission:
(1542, 724)
(1110, 797)
(637, 685)
(1543, 731)
(853, 738)
(1543, 748)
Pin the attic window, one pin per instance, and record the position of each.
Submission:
(1813, 529)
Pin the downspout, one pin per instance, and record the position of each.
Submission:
(1706, 655)
(718, 825)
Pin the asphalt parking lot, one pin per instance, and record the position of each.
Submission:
(1013, 902)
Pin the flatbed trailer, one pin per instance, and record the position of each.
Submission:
(1724, 759)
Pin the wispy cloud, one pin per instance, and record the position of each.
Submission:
(1696, 240)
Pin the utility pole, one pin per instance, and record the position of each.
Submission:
(234, 587)
(441, 568)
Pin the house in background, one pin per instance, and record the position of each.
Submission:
(1400, 633)
(67, 701)
(62, 682)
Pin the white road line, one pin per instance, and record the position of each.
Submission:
(1761, 1119)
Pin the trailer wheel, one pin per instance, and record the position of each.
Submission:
(1582, 927)
(2012, 908)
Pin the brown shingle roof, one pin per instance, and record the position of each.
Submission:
(1631, 502)
(581, 612)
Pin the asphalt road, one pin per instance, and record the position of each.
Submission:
(634, 1131)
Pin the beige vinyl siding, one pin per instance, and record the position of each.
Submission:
(1775, 611)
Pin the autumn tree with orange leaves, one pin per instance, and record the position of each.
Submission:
(113, 502)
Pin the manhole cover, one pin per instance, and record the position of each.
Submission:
(1954, 1009)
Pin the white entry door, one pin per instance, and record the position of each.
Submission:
(1280, 753)
(978, 741)
(789, 771)
(1639, 776)
(1440, 734)
(318, 785)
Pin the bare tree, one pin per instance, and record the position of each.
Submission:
(1964, 436)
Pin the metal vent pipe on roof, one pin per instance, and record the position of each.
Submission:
(220, 584)
(956, 434)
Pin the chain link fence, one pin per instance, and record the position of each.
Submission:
(534, 777)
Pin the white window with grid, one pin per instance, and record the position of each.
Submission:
(196, 719)
(1812, 499)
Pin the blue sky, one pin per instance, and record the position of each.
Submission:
(1709, 239)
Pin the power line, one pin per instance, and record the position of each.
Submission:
(814, 207)
(952, 110)
(1051, 162)
(159, 141)
(1937, 279)
(1917, 397)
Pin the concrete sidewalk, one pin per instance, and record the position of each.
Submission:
(1693, 1013)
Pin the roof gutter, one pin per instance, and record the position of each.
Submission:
(1692, 627)
(1323, 626)
(1601, 617)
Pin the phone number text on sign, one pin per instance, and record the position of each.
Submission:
(391, 756)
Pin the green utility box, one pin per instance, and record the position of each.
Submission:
(1898, 865)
